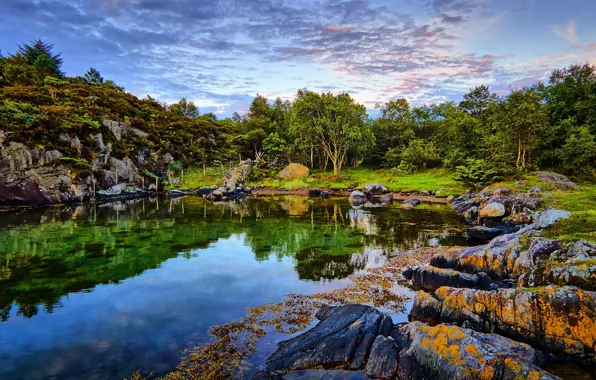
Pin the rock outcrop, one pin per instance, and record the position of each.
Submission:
(361, 339)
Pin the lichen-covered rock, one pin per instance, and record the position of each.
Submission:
(383, 358)
(374, 189)
(342, 339)
(431, 278)
(580, 274)
(451, 352)
(557, 181)
(492, 210)
(549, 217)
(294, 170)
(561, 320)
(357, 198)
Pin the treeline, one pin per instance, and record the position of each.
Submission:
(483, 137)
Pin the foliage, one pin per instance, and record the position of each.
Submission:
(93, 76)
(185, 107)
(419, 155)
(578, 154)
(477, 173)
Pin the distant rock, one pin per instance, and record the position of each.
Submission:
(549, 217)
(407, 206)
(450, 198)
(324, 194)
(535, 190)
(374, 189)
(502, 191)
(205, 191)
(294, 170)
(414, 202)
(557, 181)
(314, 193)
(386, 199)
(492, 210)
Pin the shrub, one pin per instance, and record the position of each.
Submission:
(419, 155)
(477, 173)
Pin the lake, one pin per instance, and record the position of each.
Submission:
(100, 291)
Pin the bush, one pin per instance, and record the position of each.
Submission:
(392, 158)
(477, 173)
(419, 155)
(578, 154)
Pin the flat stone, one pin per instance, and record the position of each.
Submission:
(549, 217)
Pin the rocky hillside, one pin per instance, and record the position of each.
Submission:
(66, 141)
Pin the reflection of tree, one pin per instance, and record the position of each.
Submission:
(48, 253)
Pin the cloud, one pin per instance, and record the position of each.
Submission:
(567, 31)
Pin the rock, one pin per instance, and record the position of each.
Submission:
(357, 198)
(382, 361)
(492, 210)
(175, 193)
(314, 193)
(294, 170)
(238, 174)
(451, 352)
(426, 308)
(324, 194)
(430, 278)
(550, 216)
(450, 198)
(535, 190)
(341, 340)
(205, 191)
(462, 204)
(374, 189)
(413, 201)
(407, 206)
(557, 181)
(408, 273)
(484, 233)
(502, 191)
(386, 199)
(561, 320)
(580, 250)
(425, 193)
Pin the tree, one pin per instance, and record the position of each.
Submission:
(419, 155)
(476, 101)
(578, 154)
(93, 77)
(520, 121)
(186, 108)
(335, 122)
(393, 129)
(39, 54)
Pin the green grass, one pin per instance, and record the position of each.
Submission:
(430, 180)
(581, 203)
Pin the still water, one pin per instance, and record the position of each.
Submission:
(100, 291)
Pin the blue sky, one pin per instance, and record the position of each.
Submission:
(221, 53)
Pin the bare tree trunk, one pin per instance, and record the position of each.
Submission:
(518, 153)
(204, 170)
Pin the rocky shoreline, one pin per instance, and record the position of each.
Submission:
(500, 310)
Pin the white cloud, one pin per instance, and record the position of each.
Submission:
(567, 31)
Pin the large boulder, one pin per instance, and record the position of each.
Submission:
(557, 181)
(342, 339)
(239, 174)
(357, 198)
(561, 320)
(294, 170)
(452, 352)
(492, 210)
(431, 278)
(374, 189)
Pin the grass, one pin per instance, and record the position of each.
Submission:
(581, 203)
(430, 180)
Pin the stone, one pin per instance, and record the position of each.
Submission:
(535, 190)
(426, 308)
(175, 193)
(386, 199)
(357, 198)
(314, 193)
(294, 170)
(407, 206)
(560, 319)
(484, 233)
(425, 193)
(492, 210)
(382, 360)
(501, 191)
(205, 191)
(413, 201)
(341, 340)
(450, 198)
(549, 217)
(430, 278)
(452, 352)
(557, 181)
(239, 174)
(408, 273)
(374, 189)
(324, 194)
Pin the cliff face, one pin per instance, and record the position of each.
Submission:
(33, 175)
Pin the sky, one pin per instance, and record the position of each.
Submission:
(221, 53)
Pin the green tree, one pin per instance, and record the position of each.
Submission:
(39, 54)
(336, 123)
(393, 129)
(185, 107)
(477, 101)
(578, 154)
(93, 76)
(419, 155)
(275, 149)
